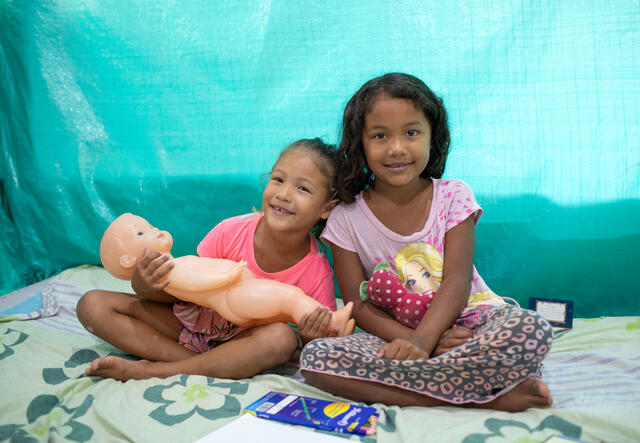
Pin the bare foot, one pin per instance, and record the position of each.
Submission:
(342, 321)
(530, 393)
(119, 368)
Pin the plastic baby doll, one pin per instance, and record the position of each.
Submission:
(226, 286)
(410, 293)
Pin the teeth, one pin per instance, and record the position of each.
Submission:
(279, 209)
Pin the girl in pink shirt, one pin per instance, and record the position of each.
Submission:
(175, 337)
(469, 347)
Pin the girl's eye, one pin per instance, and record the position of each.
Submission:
(411, 282)
(276, 179)
(426, 275)
(140, 233)
(412, 132)
(303, 188)
(378, 136)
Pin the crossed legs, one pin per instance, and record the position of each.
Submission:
(149, 330)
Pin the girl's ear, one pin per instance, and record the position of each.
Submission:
(127, 261)
(328, 207)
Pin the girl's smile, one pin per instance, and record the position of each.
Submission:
(279, 210)
(398, 167)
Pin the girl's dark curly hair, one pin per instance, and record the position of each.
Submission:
(353, 173)
(325, 158)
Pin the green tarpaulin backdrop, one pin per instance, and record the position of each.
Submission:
(174, 109)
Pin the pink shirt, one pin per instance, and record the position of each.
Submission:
(232, 239)
(355, 228)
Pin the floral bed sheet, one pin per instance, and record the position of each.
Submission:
(593, 372)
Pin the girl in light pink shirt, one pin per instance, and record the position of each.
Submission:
(469, 348)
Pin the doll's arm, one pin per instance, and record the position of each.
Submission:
(196, 274)
(350, 275)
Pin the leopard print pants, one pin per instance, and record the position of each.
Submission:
(508, 346)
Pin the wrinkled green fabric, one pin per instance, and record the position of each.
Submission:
(173, 110)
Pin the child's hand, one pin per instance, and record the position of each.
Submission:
(316, 325)
(452, 338)
(401, 349)
(151, 268)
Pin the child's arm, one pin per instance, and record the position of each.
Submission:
(350, 274)
(451, 297)
(151, 268)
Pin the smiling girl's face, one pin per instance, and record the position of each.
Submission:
(396, 138)
(419, 280)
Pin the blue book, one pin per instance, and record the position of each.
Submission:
(316, 413)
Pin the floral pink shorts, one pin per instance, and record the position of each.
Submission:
(202, 329)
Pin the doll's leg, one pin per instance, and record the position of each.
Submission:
(245, 355)
(141, 327)
(270, 300)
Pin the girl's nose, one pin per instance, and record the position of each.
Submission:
(395, 145)
(283, 193)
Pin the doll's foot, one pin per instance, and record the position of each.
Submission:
(349, 327)
(119, 368)
(531, 393)
(342, 321)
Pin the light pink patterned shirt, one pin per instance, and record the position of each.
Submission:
(355, 228)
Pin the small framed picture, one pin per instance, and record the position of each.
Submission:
(559, 313)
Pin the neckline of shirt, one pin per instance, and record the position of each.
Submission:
(392, 235)
(313, 249)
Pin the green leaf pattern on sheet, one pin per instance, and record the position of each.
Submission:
(518, 431)
(194, 394)
(387, 420)
(10, 338)
(46, 416)
(634, 326)
(75, 366)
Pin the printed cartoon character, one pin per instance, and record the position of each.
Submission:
(409, 293)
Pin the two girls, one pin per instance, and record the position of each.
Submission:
(391, 157)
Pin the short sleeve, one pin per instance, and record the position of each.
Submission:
(339, 229)
(460, 203)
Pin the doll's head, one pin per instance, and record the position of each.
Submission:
(419, 267)
(124, 242)
(354, 174)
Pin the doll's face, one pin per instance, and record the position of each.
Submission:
(419, 280)
(138, 234)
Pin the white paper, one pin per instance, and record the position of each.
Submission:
(252, 429)
(552, 311)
